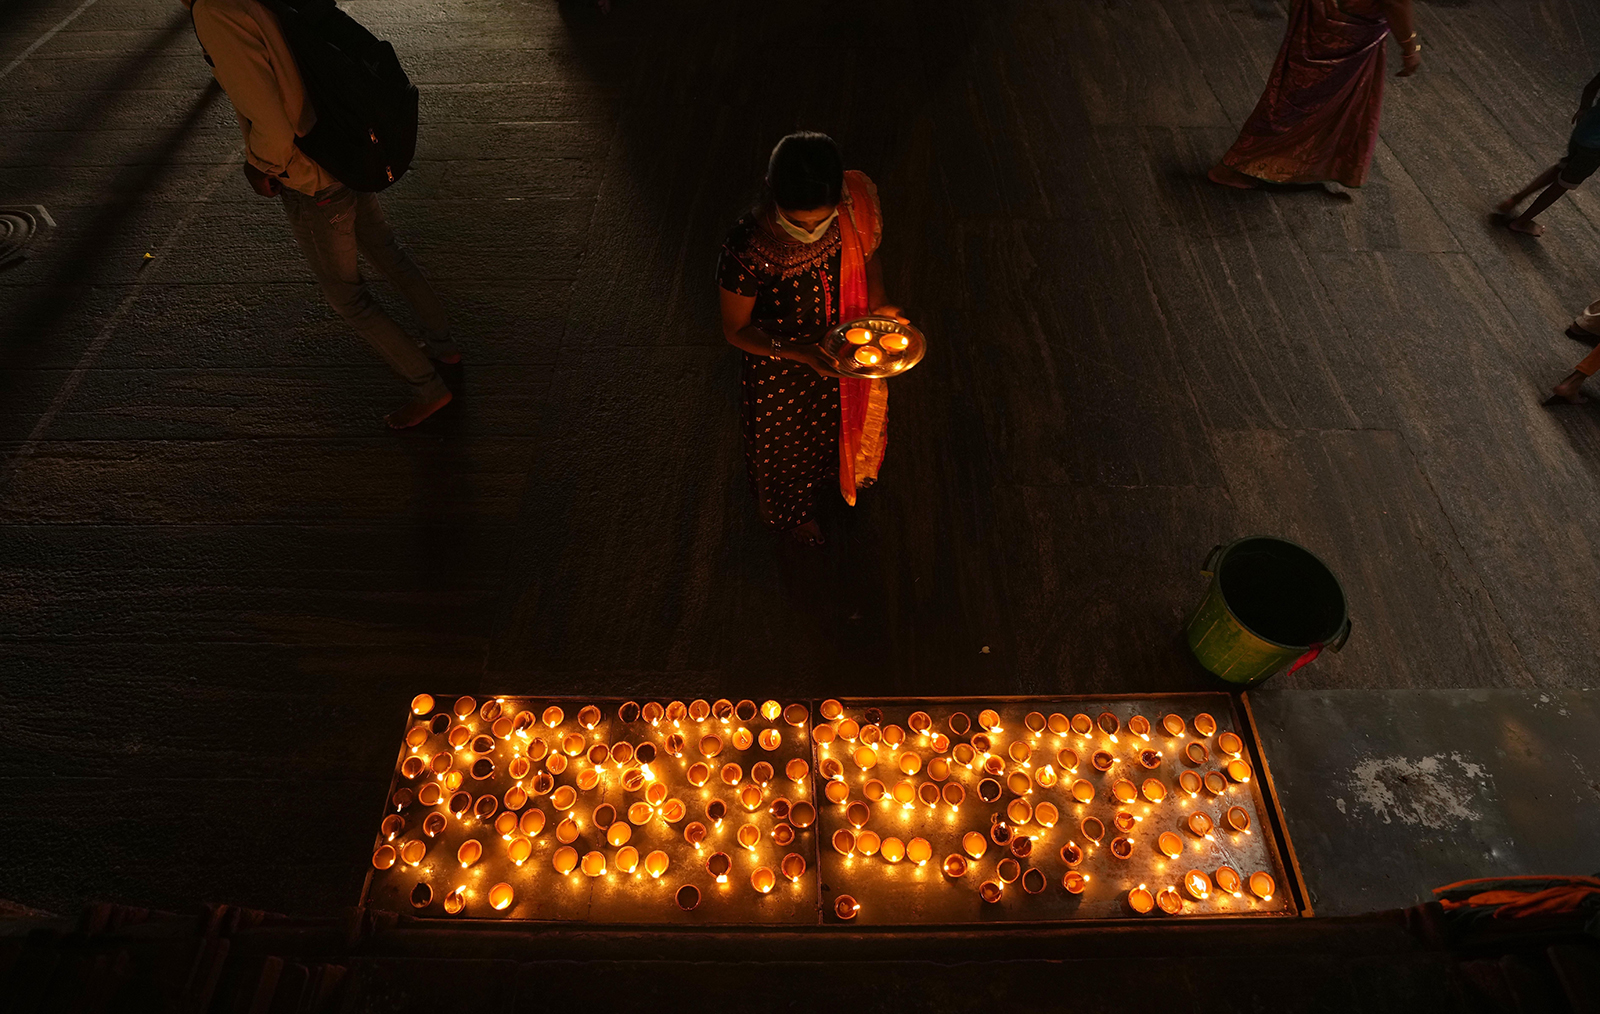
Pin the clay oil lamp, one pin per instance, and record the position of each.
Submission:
(797, 715)
(1000, 832)
(1019, 811)
(802, 814)
(1170, 845)
(673, 810)
(460, 803)
(974, 844)
(1150, 759)
(743, 738)
(1239, 819)
(552, 717)
(455, 901)
(1124, 821)
(564, 797)
(1123, 791)
(688, 897)
(749, 836)
(1019, 751)
(629, 712)
(1262, 885)
(1196, 753)
(904, 793)
(1204, 724)
(1008, 870)
(1228, 881)
(763, 879)
(731, 774)
(750, 798)
(796, 770)
(384, 857)
(1230, 743)
(822, 735)
(392, 826)
(1121, 847)
(464, 707)
(459, 737)
(1019, 783)
(1093, 829)
(1190, 782)
(770, 739)
(411, 767)
(1139, 726)
(718, 865)
(844, 841)
(770, 710)
(421, 704)
(1215, 783)
(618, 834)
(1199, 824)
(588, 779)
(988, 790)
(848, 729)
(1034, 721)
(990, 891)
(698, 774)
(421, 895)
(745, 711)
(993, 765)
(955, 866)
(865, 757)
(490, 710)
(793, 867)
(694, 833)
(981, 743)
(1102, 760)
(500, 897)
(699, 710)
(603, 816)
(1109, 725)
(1239, 770)
(522, 723)
(710, 745)
(655, 863)
(627, 859)
(599, 753)
(567, 831)
(920, 722)
(866, 355)
(416, 736)
(938, 742)
(844, 906)
(1046, 777)
(1141, 900)
(411, 852)
(532, 822)
(1082, 791)
(435, 822)
(1074, 882)
(892, 849)
(441, 762)
(761, 773)
(831, 710)
(537, 750)
(403, 797)
(1033, 881)
(1167, 900)
(989, 720)
(633, 780)
(895, 342)
(1197, 884)
(722, 711)
(519, 768)
(1153, 789)
(868, 843)
(1174, 724)
(572, 744)
(1058, 724)
(828, 769)
(716, 810)
(871, 734)
(929, 793)
(502, 727)
(963, 754)
(1072, 853)
(779, 809)
(519, 850)
(918, 851)
(452, 781)
(564, 860)
(910, 763)
(656, 793)
(677, 713)
(505, 825)
(1021, 846)
(1082, 724)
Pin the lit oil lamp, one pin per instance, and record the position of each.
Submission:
(822, 735)
(434, 823)
(459, 736)
(1124, 791)
(848, 730)
(502, 727)
(384, 857)
(1082, 791)
(749, 836)
(572, 744)
(1196, 753)
(673, 810)
(1019, 751)
(1102, 760)
(633, 780)
(599, 753)
(731, 774)
(655, 793)
(694, 833)
(619, 833)
(465, 706)
(402, 797)
(505, 825)
(743, 738)
(895, 342)
(1238, 819)
(655, 863)
(865, 757)
(537, 750)
(990, 891)
(1228, 881)
(989, 790)
(519, 768)
(699, 711)
(829, 768)
(392, 826)
(1262, 885)
(652, 712)
(1239, 770)
(565, 860)
(761, 773)
(1058, 724)
(929, 793)
(974, 844)
(1215, 783)
(1072, 853)
(866, 355)
(989, 720)
(846, 907)
(981, 743)
(919, 851)
(1170, 845)
(1034, 721)
(1109, 724)
(1019, 811)
(963, 754)
(939, 742)
(421, 704)
(565, 797)
(1019, 782)
(844, 841)
(1093, 829)
(1204, 724)
(567, 831)
(797, 715)
(416, 736)
(1150, 759)
(500, 897)
(588, 779)
(793, 867)
(770, 710)
(698, 774)
(1230, 743)
(763, 879)
(710, 745)
(1167, 900)
(904, 792)
(455, 901)
(920, 722)
(1021, 846)
(892, 850)
(1121, 847)
(718, 864)
(674, 744)
(627, 859)
(722, 710)
(1124, 821)
(1153, 789)
(1199, 824)
(532, 822)
(1082, 724)
(779, 809)
(857, 336)
(1139, 726)
(1141, 900)
(868, 843)
(910, 763)
(1197, 884)
(802, 814)
(1074, 882)
(955, 866)
(750, 798)
(1174, 724)
(553, 716)
(460, 803)
(411, 767)
(519, 850)
(796, 770)
(858, 813)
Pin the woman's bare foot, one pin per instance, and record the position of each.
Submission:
(1524, 226)
(1228, 176)
(414, 412)
(1507, 207)
(808, 534)
(1571, 389)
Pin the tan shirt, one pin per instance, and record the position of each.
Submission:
(254, 65)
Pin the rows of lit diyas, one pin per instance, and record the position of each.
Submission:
(1058, 799)
(645, 796)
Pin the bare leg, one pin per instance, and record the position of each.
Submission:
(1571, 389)
(1539, 182)
(1524, 223)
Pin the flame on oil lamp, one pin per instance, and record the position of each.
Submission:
(770, 710)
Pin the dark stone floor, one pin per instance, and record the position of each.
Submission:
(220, 578)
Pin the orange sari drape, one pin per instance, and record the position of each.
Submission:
(863, 404)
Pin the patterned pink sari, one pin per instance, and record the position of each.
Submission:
(1318, 117)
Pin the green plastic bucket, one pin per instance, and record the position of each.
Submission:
(1270, 603)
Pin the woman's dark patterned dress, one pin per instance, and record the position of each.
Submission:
(790, 414)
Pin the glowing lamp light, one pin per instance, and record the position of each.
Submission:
(855, 336)
(500, 897)
(763, 880)
(1262, 885)
(1141, 900)
(655, 863)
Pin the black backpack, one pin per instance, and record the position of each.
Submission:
(366, 132)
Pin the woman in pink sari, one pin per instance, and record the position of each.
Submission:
(794, 267)
(1318, 117)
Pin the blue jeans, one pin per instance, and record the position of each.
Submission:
(330, 229)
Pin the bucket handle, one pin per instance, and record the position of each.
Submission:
(1209, 567)
(1316, 649)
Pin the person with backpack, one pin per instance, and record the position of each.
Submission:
(253, 59)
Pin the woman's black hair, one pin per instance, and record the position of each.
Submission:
(806, 172)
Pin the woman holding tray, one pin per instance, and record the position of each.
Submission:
(801, 262)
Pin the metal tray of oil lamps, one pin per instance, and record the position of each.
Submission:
(873, 347)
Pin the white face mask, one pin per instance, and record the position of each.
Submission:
(801, 234)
